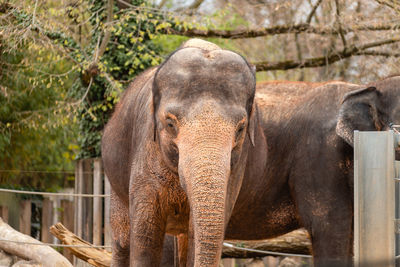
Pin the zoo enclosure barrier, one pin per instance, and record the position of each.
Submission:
(83, 209)
(376, 198)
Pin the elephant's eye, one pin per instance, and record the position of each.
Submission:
(171, 125)
(239, 131)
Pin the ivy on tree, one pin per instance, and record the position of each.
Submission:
(129, 51)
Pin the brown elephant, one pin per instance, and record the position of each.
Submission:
(175, 151)
(308, 178)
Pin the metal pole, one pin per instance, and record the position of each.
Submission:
(397, 237)
(374, 199)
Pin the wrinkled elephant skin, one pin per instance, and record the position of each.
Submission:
(175, 151)
(308, 178)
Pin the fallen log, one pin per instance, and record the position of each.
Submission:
(86, 251)
(26, 247)
(296, 242)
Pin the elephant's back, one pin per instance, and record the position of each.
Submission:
(280, 100)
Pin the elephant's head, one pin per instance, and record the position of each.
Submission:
(370, 109)
(203, 115)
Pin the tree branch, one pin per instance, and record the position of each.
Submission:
(190, 9)
(162, 3)
(340, 30)
(310, 16)
(274, 30)
(296, 36)
(377, 53)
(196, 4)
(395, 6)
(299, 55)
(107, 35)
(325, 60)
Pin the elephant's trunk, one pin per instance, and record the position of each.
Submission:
(204, 167)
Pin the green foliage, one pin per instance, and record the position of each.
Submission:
(136, 43)
(129, 52)
(35, 132)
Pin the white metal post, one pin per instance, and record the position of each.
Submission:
(374, 199)
(397, 226)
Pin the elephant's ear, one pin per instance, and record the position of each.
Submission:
(359, 111)
(154, 105)
(155, 102)
(252, 122)
(252, 118)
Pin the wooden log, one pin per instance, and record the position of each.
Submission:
(296, 242)
(95, 256)
(26, 249)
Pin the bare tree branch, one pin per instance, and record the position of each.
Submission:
(393, 5)
(162, 3)
(107, 35)
(190, 10)
(310, 16)
(296, 37)
(377, 53)
(340, 30)
(325, 60)
(299, 55)
(281, 29)
(196, 4)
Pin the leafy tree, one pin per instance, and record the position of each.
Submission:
(35, 134)
(129, 51)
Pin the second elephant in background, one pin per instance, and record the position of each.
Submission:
(307, 180)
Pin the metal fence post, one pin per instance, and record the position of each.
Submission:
(397, 215)
(374, 199)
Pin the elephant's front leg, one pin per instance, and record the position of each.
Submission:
(182, 249)
(120, 231)
(328, 218)
(147, 227)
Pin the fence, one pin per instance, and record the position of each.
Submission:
(92, 218)
(83, 209)
(376, 206)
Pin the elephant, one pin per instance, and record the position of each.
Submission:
(175, 151)
(307, 180)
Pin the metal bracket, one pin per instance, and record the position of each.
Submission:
(396, 130)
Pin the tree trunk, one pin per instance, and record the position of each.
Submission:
(45, 255)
